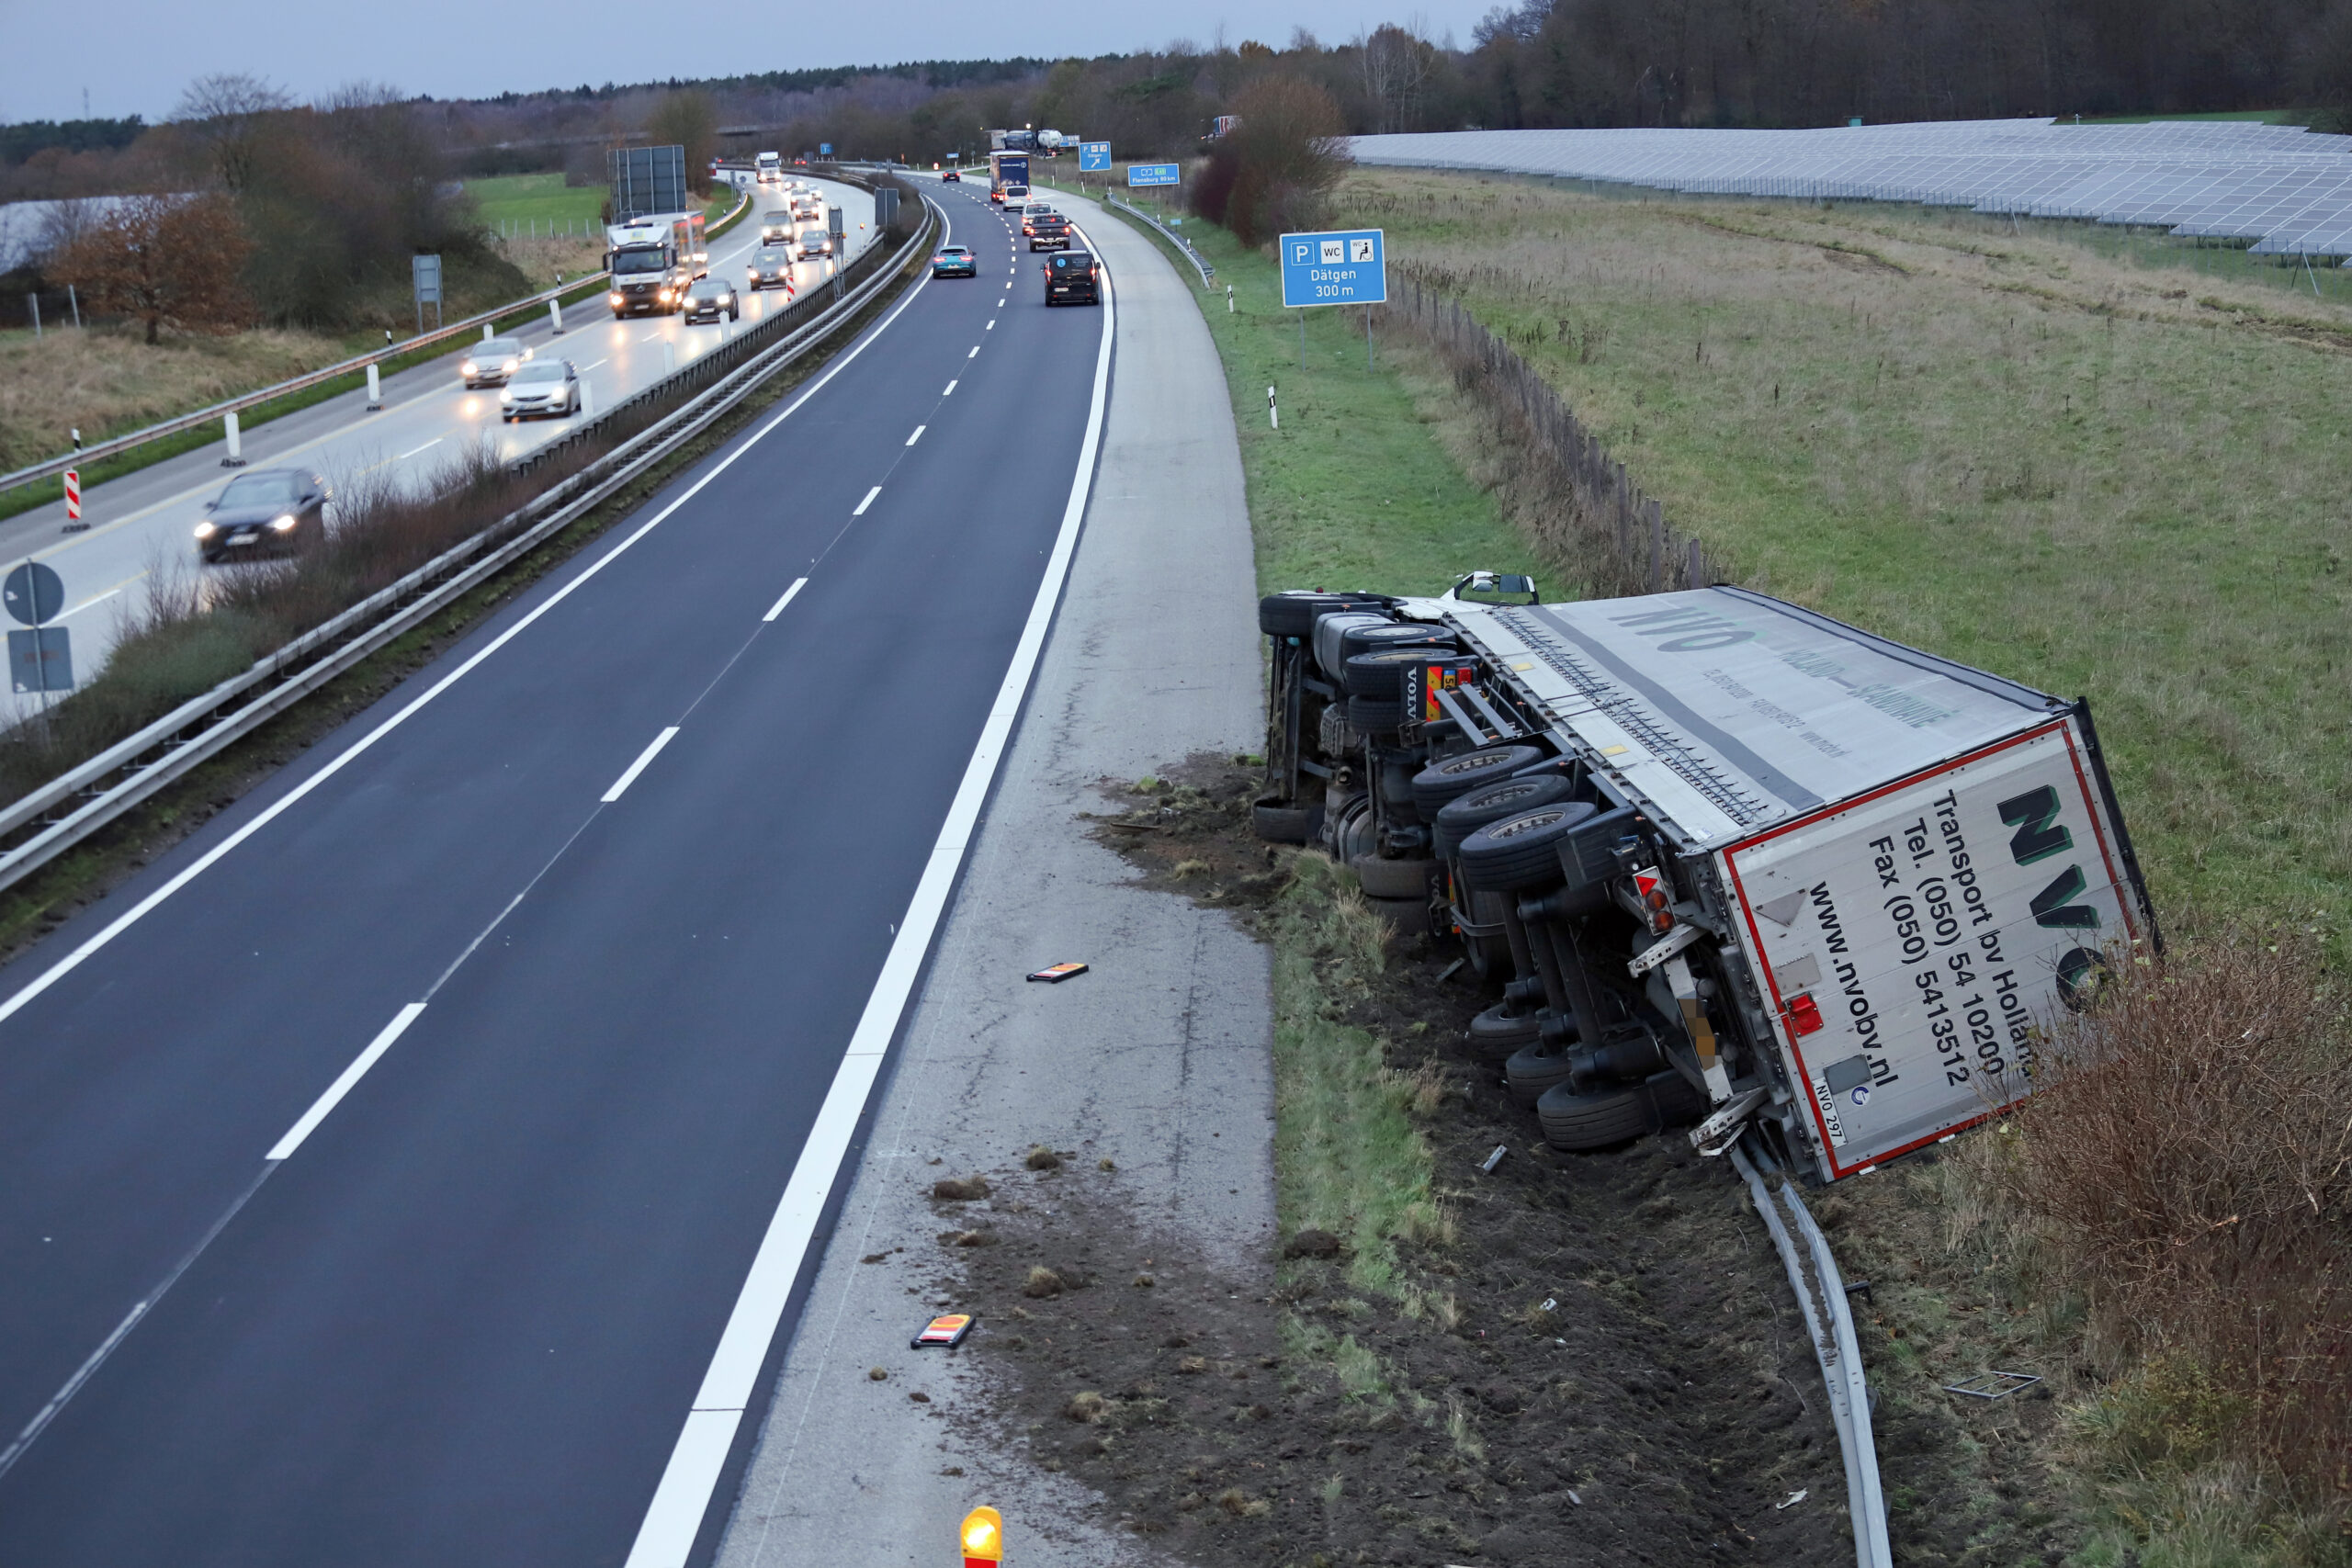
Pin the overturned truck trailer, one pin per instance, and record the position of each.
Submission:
(1732, 862)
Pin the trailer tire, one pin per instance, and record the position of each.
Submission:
(1532, 1070)
(1396, 878)
(1466, 813)
(1380, 674)
(1496, 1035)
(1283, 824)
(1295, 614)
(1406, 917)
(1521, 851)
(1580, 1121)
(1457, 776)
(1372, 715)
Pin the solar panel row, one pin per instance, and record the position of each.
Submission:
(2280, 186)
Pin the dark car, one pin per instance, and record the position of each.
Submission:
(771, 267)
(955, 261)
(1073, 277)
(492, 360)
(269, 512)
(709, 299)
(1048, 231)
(951, 177)
(542, 387)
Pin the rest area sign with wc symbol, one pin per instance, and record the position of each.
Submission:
(1346, 267)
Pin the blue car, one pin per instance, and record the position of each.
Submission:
(955, 261)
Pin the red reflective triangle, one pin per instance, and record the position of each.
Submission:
(1644, 880)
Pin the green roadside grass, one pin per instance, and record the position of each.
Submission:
(1356, 488)
(542, 200)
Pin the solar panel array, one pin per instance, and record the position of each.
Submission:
(2285, 190)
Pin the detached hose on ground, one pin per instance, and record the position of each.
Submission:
(1839, 1353)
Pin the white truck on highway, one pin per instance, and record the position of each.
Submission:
(1729, 862)
(768, 168)
(652, 260)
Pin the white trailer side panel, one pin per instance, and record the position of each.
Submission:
(1912, 939)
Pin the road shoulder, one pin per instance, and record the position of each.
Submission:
(1157, 1060)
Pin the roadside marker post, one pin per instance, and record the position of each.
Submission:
(74, 524)
(1273, 415)
(236, 457)
(375, 391)
(555, 316)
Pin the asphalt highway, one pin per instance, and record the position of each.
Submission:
(142, 526)
(380, 1169)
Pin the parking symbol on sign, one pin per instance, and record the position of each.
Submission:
(1334, 250)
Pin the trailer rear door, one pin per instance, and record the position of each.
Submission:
(1913, 940)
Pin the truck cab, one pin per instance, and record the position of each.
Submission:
(769, 168)
(651, 268)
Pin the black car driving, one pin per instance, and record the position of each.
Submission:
(1073, 277)
(270, 512)
(955, 261)
(711, 298)
(1048, 231)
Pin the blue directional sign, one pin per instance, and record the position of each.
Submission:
(824, 149)
(1348, 266)
(1140, 174)
(1093, 157)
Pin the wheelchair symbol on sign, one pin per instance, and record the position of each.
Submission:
(1360, 250)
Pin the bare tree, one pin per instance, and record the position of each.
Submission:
(225, 113)
(685, 118)
(167, 261)
(1396, 63)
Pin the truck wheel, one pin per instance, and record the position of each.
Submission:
(1465, 814)
(1521, 851)
(1532, 1070)
(1293, 614)
(1374, 717)
(1392, 634)
(1496, 1035)
(1457, 776)
(1283, 824)
(1380, 674)
(1396, 878)
(1406, 917)
(1572, 1121)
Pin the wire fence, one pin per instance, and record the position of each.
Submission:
(1588, 512)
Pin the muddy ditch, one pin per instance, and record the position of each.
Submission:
(1595, 1358)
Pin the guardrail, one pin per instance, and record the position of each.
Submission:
(1208, 272)
(51, 820)
(115, 446)
(1836, 1346)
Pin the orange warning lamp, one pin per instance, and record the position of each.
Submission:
(983, 1537)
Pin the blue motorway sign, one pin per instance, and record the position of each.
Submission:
(1348, 266)
(1152, 174)
(1093, 157)
(824, 149)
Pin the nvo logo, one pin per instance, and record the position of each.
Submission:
(2040, 837)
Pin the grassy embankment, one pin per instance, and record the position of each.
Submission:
(2051, 451)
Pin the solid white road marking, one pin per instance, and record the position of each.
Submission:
(798, 584)
(676, 1515)
(918, 435)
(342, 1086)
(644, 758)
(951, 390)
(24, 996)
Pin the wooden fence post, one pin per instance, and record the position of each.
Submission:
(1656, 514)
(1698, 567)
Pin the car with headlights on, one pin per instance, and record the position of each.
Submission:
(265, 513)
(771, 267)
(489, 362)
(712, 299)
(814, 243)
(955, 261)
(544, 387)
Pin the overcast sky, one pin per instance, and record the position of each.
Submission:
(134, 56)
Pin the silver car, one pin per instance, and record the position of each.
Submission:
(542, 387)
(492, 361)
